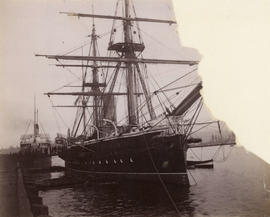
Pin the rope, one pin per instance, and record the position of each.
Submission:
(68, 69)
(55, 118)
(42, 127)
(176, 88)
(200, 128)
(203, 123)
(58, 112)
(65, 85)
(160, 179)
(192, 176)
(143, 104)
(88, 149)
(224, 159)
(159, 42)
(90, 118)
(166, 115)
(108, 32)
(76, 48)
(27, 128)
(160, 89)
(193, 119)
(193, 70)
(195, 154)
(85, 43)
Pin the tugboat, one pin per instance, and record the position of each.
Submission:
(149, 143)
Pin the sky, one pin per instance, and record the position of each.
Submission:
(231, 36)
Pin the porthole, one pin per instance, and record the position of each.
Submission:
(99, 162)
(165, 164)
(114, 161)
(93, 162)
(172, 145)
(106, 162)
(121, 161)
(131, 160)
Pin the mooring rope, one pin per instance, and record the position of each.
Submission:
(192, 176)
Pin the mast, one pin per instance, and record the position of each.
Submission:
(132, 118)
(84, 103)
(36, 127)
(86, 93)
(95, 87)
(35, 117)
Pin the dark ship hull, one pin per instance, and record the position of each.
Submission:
(141, 157)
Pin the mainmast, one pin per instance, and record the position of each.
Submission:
(132, 118)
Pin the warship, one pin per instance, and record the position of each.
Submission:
(149, 142)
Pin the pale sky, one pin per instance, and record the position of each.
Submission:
(231, 36)
(29, 27)
(234, 40)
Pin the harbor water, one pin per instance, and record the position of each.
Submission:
(237, 186)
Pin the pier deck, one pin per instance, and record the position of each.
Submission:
(13, 198)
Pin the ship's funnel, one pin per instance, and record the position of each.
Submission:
(110, 110)
(36, 129)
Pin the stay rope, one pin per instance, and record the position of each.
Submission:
(27, 128)
(52, 104)
(160, 179)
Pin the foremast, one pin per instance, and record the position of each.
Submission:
(94, 86)
(97, 101)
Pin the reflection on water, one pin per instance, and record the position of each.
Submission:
(56, 175)
(57, 161)
(233, 188)
(117, 200)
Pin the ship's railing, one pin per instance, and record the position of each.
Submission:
(38, 141)
(113, 124)
(30, 136)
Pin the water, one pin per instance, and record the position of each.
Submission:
(235, 187)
